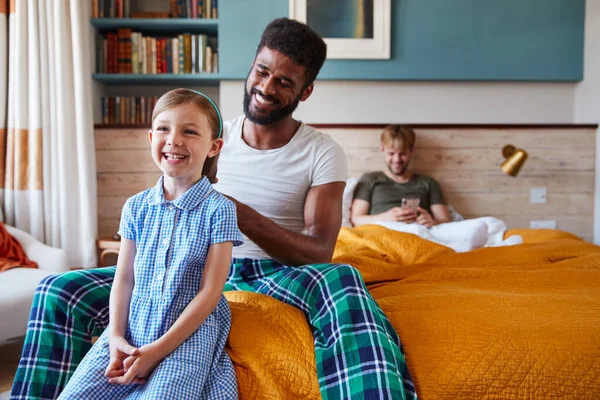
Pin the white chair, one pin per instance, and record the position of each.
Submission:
(17, 285)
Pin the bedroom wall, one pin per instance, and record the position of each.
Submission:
(587, 94)
(425, 102)
(463, 103)
(452, 57)
(414, 102)
(465, 161)
(435, 40)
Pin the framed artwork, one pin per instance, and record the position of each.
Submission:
(352, 29)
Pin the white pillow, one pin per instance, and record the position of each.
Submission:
(347, 201)
(455, 215)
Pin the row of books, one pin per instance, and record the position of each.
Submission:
(127, 52)
(177, 9)
(128, 109)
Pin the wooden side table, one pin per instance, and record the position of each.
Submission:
(108, 245)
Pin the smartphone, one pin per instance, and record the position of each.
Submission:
(413, 204)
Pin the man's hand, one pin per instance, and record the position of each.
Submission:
(138, 367)
(425, 218)
(399, 214)
(120, 350)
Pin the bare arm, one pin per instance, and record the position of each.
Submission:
(120, 294)
(322, 217)
(440, 213)
(359, 214)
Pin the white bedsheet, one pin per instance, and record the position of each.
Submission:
(460, 236)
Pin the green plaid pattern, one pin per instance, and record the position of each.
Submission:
(68, 309)
(358, 352)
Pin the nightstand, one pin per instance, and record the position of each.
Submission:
(108, 245)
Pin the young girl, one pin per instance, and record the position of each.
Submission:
(169, 320)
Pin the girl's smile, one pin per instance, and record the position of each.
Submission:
(174, 158)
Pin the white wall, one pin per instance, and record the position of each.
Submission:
(587, 93)
(425, 102)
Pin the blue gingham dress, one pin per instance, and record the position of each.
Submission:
(172, 240)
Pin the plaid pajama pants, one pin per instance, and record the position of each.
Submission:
(357, 350)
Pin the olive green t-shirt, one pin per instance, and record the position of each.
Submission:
(383, 193)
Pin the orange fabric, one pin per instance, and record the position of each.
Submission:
(11, 252)
(495, 323)
(271, 346)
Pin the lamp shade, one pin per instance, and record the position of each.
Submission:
(515, 158)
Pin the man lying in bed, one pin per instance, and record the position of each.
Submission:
(379, 195)
(287, 181)
(403, 200)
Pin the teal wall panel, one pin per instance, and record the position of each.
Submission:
(487, 40)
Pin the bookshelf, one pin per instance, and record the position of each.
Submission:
(142, 50)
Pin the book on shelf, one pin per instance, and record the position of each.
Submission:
(130, 52)
(177, 9)
(194, 9)
(127, 109)
(111, 8)
(150, 14)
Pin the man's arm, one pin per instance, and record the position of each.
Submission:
(322, 217)
(359, 214)
(440, 213)
(439, 210)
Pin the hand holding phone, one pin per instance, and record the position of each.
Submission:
(412, 204)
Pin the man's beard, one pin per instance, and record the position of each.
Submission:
(402, 171)
(274, 116)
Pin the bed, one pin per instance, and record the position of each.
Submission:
(495, 323)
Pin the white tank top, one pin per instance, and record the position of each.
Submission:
(275, 182)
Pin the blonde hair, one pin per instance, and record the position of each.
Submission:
(398, 137)
(178, 97)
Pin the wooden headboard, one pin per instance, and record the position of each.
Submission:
(464, 159)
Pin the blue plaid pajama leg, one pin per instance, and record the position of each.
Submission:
(357, 350)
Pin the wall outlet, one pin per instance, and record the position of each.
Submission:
(543, 224)
(539, 195)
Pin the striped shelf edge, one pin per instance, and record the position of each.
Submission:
(201, 79)
(159, 25)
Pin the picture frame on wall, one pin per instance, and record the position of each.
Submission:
(352, 29)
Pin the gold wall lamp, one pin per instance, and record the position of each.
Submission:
(515, 158)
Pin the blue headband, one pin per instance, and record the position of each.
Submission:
(216, 109)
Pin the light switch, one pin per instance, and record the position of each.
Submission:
(539, 195)
(543, 224)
